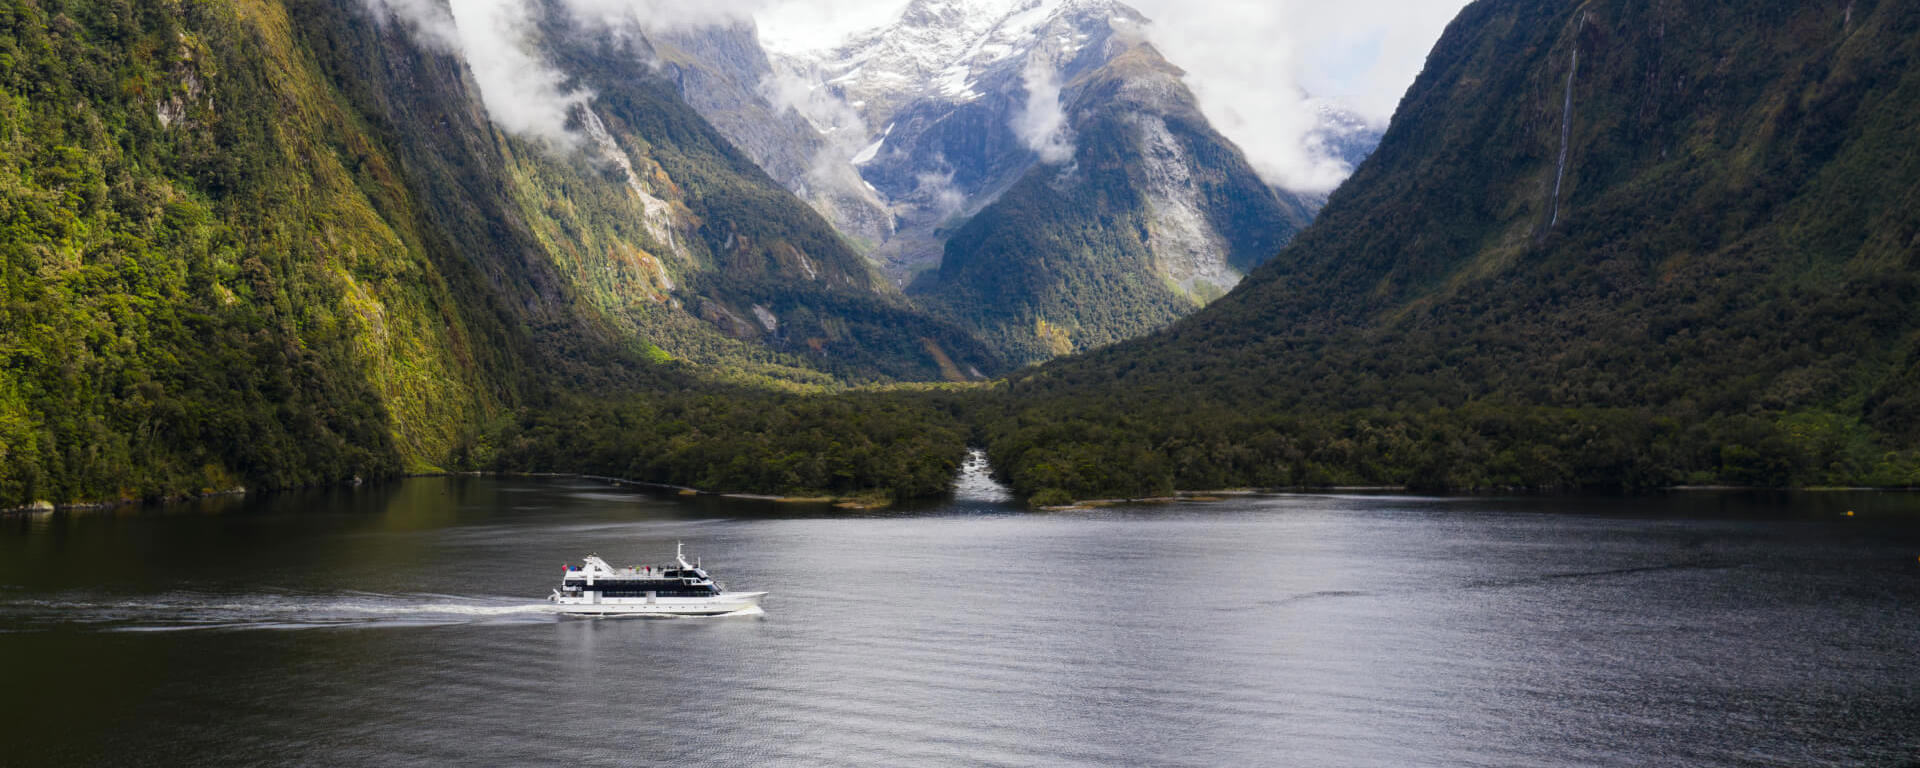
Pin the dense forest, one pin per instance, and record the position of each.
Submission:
(1067, 260)
(878, 446)
(1590, 253)
(269, 244)
(1718, 284)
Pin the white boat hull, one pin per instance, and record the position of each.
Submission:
(724, 603)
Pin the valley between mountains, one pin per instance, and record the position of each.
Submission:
(1604, 244)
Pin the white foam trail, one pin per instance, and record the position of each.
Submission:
(976, 482)
(181, 611)
(186, 611)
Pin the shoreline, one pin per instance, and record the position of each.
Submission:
(41, 507)
(1224, 494)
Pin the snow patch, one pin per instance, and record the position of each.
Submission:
(873, 150)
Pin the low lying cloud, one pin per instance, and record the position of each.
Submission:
(666, 15)
(794, 26)
(428, 20)
(1259, 66)
(1042, 123)
(522, 93)
(938, 192)
(1243, 67)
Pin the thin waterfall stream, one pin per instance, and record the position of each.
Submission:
(1566, 135)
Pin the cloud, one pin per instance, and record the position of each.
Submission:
(805, 25)
(522, 93)
(1243, 67)
(666, 15)
(426, 19)
(1366, 52)
(1042, 124)
(938, 191)
(1257, 67)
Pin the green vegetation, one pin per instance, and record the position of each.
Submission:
(199, 292)
(743, 240)
(1061, 263)
(1728, 294)
(896, 444)
(232, 257)
(229, 259)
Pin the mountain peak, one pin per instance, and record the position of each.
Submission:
(944, 48)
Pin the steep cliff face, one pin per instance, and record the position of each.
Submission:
(930, 119)
(725, 75)
(1142, 215)
(1610, 242)
(216, 271)
(274, 243)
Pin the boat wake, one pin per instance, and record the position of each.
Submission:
(184, 611)
(751, 610)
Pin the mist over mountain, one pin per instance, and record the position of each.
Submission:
(282, 243)
(921, 126)
(1605, 244)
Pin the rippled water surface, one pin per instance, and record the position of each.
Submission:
(403, 625)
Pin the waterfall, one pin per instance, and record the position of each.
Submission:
(976, 482)
(1566, 135)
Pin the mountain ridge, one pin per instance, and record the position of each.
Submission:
(1589, 252)
(954, 104)
(271, 244)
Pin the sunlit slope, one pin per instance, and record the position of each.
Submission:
(1154, 215)
(269, 243)
(212, 271)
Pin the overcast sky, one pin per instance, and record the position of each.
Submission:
(1248, 61)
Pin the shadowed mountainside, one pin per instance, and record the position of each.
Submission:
(1612, 243)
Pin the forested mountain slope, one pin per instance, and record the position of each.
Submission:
(1151, 215)
(1613, 243)
(265, 243)
(1125, 209)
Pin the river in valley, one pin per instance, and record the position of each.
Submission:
(403, 624)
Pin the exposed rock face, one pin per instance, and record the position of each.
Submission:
(943, 95)
(1152, 215)
(724, 74)
(905, 134)
(1603, 244)
(1187, 250)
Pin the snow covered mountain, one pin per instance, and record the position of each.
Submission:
(905, 135)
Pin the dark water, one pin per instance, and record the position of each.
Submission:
(390, 626)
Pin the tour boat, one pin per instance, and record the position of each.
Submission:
(680, 589)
